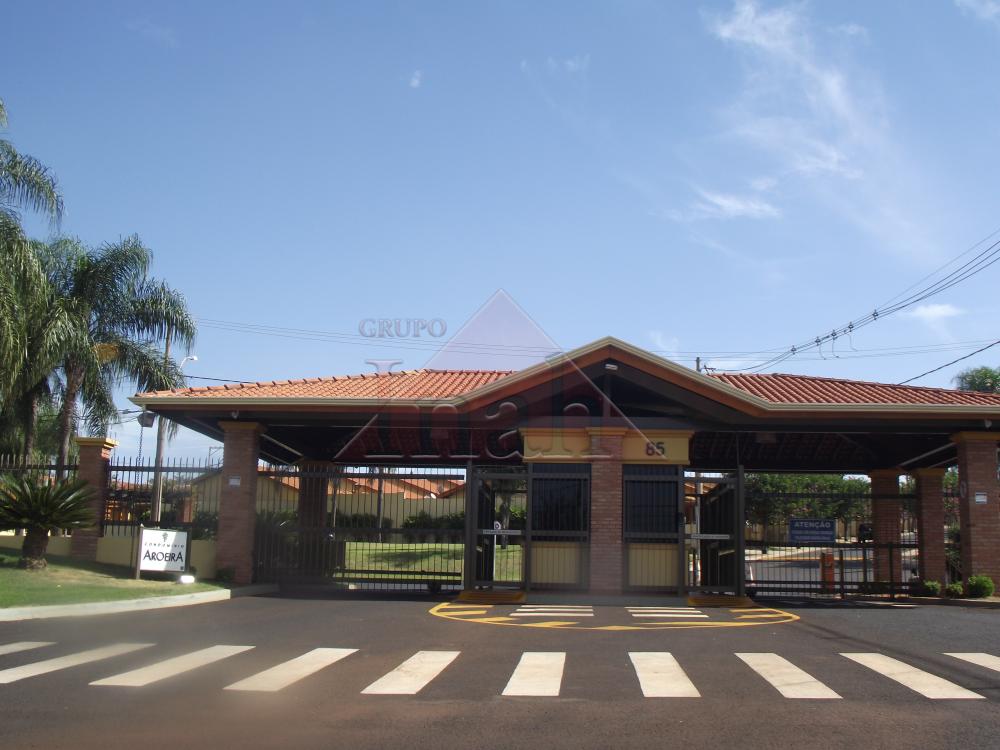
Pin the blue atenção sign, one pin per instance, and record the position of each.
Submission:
(812, 530)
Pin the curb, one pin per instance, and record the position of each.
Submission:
(943, 601)
(16, 614)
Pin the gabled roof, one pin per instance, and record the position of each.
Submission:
(403, 385)
(758, 393)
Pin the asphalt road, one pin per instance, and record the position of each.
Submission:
(598, 701)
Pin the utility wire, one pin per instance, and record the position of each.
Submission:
(949, 364)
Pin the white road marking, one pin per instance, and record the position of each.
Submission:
(410, 677)
(161, 670)
(539, 673)
(982, 660)
(291, 671)
(669, 614)
(71, 660)
(553, 610)
(785, 677)
(928, 685)
(660, 676)
(13, 648)
(553, 613)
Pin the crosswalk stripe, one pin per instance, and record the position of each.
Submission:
(71, 660)
(291, 671)
(981, 660)
(538, 673)
(660, 676)
(161, 670)
(414, 674)
(13, 648)
(785, 677)
(689, 615)
(928, 685)
(552, 614)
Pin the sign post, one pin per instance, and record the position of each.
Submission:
(163, 550)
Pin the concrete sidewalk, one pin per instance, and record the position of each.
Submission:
(15, 614)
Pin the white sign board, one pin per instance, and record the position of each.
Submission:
(163, 550)
(981, 498)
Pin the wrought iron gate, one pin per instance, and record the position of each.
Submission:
(366, 527)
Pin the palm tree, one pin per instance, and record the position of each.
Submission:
(35, 326)
(120, 317)
(25, 182)
(41, 508)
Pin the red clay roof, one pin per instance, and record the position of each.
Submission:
(406, 384)
(807, 389)
(776, 388)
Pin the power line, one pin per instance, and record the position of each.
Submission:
(949, 364)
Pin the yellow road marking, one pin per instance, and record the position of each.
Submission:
(745, 617)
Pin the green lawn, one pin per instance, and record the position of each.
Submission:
(68, 581)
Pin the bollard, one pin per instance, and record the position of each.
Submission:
(827, 572)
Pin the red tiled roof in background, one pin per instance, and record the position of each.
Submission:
(443, 384)
(807, 389)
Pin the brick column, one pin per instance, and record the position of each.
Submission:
(886, 517)
(238, 499)
(606, 548)
(979, 521)
(930, 524)
(95, 469)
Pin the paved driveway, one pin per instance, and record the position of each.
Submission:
(273, 672)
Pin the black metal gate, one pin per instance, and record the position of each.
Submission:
(364, 527)
(717, 553)
(653, 527)
(848, 562)
(497, 559)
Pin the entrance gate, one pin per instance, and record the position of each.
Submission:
(363, 527)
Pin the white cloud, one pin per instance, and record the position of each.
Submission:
(713, 205)
(665, 346)
(984, 10)
(821, 118)
(571, 65)
(935, 316)
(763, 184)
(416, 79)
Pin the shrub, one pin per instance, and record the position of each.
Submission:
(979, 586)
(954, 589)
(931, 588)
(225, 575)
(40, 509)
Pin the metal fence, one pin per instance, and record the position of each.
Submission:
(850, 563)
(45, 468)
(367, 527)
(190, 497)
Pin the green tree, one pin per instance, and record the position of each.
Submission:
(773, 498)
(25, 183)
(120, 317)
(41, 507)
(982, 379)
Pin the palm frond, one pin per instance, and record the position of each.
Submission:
(27, 183)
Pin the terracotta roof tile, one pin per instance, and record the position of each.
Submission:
(807, 389)
(443, 384)
(406, 384)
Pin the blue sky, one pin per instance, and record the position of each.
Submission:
(712, 178)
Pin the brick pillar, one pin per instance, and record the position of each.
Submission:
(95, 468)
(979, 521)
(606, 548)
(238, 499)
(930, 524)
(887, 514)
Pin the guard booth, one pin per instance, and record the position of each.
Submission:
(577, 473)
